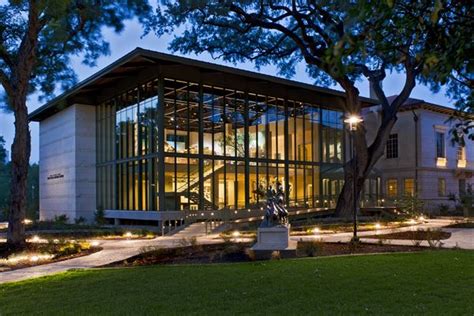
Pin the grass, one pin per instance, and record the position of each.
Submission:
(432, 282)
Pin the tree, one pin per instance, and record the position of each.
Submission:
(4, 179)
(454, 53)
(340, 42)
(37, 39)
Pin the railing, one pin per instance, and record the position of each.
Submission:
(194, 176)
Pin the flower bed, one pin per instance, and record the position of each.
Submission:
(36, 253)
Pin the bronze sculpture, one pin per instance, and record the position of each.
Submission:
(276, 213)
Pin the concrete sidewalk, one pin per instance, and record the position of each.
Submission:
(112, 251)
(460, 238)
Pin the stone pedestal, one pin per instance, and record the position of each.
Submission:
(274, 239)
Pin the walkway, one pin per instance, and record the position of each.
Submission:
(112, 251)
(461, 238)
(116, 250)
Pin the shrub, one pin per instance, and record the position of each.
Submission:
(99, 216)
(414, 237)
(70, 248)
(276, 255)
(433, 237)
(313, 248)
(411, 205)
(61, 219)
(443, 209)
(155, 251)
(189, 242)
(250, 254)
(80, 220)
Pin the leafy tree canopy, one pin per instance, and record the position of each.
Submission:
(37, 40)
(48, 32)
(340, 41)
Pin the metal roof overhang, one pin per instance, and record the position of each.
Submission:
(141, 65)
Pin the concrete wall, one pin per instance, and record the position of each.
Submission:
(67, 164)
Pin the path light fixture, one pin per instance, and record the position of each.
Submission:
(353, 121)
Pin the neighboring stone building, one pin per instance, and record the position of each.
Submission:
(420, 156)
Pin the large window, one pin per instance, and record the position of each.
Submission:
(392, 188)
(392, 146)
(332, 135)
(409, 186)
(177, 145)
(440, 145)
(127, 130)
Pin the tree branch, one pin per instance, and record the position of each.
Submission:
(254, 19)
(6, 57)
(6, 83)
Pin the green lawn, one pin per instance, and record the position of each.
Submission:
(437, 282)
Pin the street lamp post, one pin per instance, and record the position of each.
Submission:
(353, 121)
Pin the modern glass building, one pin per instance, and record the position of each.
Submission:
(173, 134)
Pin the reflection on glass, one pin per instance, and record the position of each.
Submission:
(222, 148)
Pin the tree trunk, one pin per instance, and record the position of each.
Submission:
(366, 158)
(21, 149)
(345, 202)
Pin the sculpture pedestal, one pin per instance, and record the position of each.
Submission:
(274, 239)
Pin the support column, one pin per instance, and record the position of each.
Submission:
(161, 145)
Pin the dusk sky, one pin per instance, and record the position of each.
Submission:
(120, 44)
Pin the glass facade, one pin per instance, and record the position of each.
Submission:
(177, 145)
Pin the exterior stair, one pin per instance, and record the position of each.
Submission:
(194, 197)
(199, 229)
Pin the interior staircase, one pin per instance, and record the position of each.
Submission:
(194, 180)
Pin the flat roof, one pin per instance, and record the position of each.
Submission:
(140, 62)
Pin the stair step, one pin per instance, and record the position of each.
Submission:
(197, 229)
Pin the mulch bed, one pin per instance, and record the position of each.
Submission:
(219, 253)
(461, 225)
(232, 252)
(414, 235)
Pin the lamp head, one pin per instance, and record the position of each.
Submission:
(353, 120)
